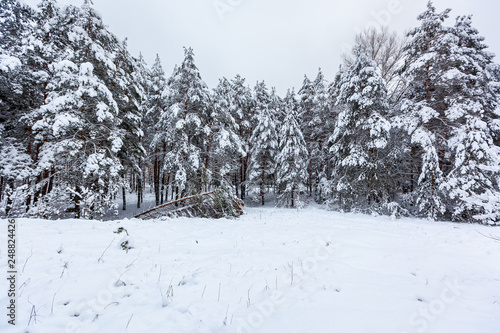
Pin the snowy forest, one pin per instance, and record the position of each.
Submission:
(409, 126)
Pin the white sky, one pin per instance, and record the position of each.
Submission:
(275, 40)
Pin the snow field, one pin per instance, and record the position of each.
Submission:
(272, 270)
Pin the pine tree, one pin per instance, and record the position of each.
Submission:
(141, 76)
(183, 127)
(78, 131)
(15, 165)
(263, 143)
(18, 86)
(242, 110)
(321, 126)
(224, 147)
(360, 137)
(17, 96)
(449, 113)
(291, 172)
(422, 112)
(128, 94)
(306, 104)
(472, 183)
(158, 145)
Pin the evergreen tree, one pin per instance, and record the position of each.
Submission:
(263, 143)
(472, 183)
(224, 147)
(87, 115)
(360, 137)
(320, 125)
(306, 104)
(422, 112)
(449, 113)
(158, 145)
(183, 127)
(141, 77)
(18, 93)
(291, 173)
(128, 94)
(16, 82)
(242, 110)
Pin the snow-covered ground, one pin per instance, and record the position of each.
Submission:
(272, 270)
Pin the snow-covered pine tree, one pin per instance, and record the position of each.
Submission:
(494, 124)
(15, 169)
(224, 148)
(78, 127)
(182, 127)
(141, 77)
(359, 141)
(128, 94)
(422, 113)
(79, 135)
(449, 111)
(242, 110)
(322, 186)
(18, 94)
(157, 139)
(471, 184)
(306, 104)
(276, 106)
(263, 143)
(156, 84)
(321, 126)
(291, 160)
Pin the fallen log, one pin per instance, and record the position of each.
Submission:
(172, 203)
(215, 204)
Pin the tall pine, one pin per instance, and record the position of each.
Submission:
(358, 143)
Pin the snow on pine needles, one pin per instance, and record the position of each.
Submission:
(272, 270)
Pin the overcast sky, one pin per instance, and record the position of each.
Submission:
(275, 40)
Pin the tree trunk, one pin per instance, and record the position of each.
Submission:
(156, 179)
(51, 180)
(263, 178)
(236, 185)
(124, 198)
(161, 189)
(1, 187)
(77, 202)
(8, 208)
(139, 191)
(243, 172)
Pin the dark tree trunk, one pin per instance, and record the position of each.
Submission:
(124, 198)
(1, 187)
(263, 178)
(51, 180)
(77, 202)
(161, 189)
(236, 185)
(139, 191)
(156, 180)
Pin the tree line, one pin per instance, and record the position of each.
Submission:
(410, 125)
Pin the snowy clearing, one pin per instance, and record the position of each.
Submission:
(272, 270)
